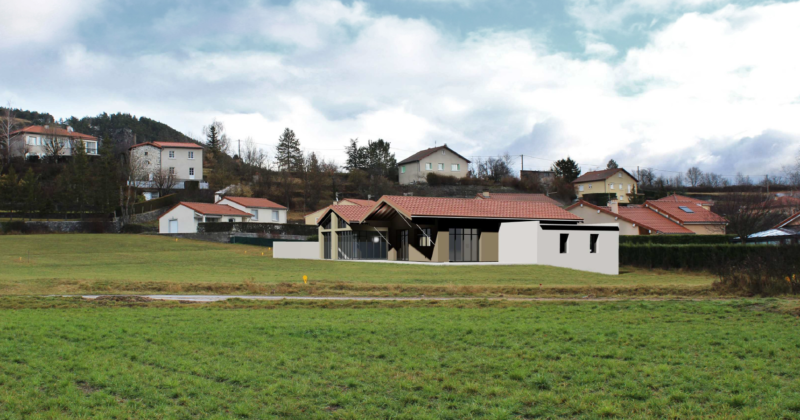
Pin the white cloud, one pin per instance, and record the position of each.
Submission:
(700, 83)
(611, 14)
(32, 22)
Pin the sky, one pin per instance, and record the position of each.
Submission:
(663, 84)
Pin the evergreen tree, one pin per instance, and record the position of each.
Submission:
(612, 164)
(567, 169)
(288, 153)
(213, 138)
(9, 190)
(78, 181)
(30, 193)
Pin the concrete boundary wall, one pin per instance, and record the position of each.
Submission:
(296, 250)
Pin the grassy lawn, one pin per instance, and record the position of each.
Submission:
(61, 358)
(139, 263)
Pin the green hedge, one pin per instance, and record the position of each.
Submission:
(271, 228)
(698, 257)
(675, 239)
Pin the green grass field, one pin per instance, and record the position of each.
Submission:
(62, 358)
(138, 263)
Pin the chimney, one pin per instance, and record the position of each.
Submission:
(614, 204)
(70, 129)
(486, 194)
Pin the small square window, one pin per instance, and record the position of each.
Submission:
(455, 167)
(580, 187)
(402, 169)
(172, 170)
(145, 153)
(563, 243)
(593, 243)
(191, 155)
(611, 186)
(590, 186)
(441, 166)
(428, 166)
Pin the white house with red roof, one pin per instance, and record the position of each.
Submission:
(44, 140)
(184, 216)
(263, 210)
(466, 230)
(182, 160)
(632, 220)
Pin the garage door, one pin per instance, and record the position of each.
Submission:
(173, 226)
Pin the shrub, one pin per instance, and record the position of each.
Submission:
(762, 273)
(434, 179)
(133, 228)
(675, 239)
(707, 257)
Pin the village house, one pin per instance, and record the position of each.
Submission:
(633, 220)
(180, 161)
(185, 216)
(42, 141)
(440, 160)
(617, 181)
(263, 210)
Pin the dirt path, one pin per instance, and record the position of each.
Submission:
(217, 298)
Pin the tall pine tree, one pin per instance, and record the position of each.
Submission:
(287, 153)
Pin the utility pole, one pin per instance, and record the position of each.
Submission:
(522, 166)
(240, 148)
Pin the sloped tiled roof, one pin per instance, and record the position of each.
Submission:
(207, 208)
(785, 201)
(262, 203)
(472, 208)
(54, 131)
(600, 175)
(427, 152)
(172, 144)
(351, 214)
(640, 216)
(536, 198)
(360, 202)
(676, 198)
(698, 215)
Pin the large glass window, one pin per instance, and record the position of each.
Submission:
(326, 245)
(342, 223)
(361, 245)
(402, 245)
(464, 245)
(425, 238)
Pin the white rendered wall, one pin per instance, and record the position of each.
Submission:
(185, 217)
(517, 243)
(296, 250)
(264, 215)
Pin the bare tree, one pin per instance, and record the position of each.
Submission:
(135, 171)
(7, 126)
(254, 155)
(747, 213)
(694, 175)
(742, 179)
(54, 146)
(710, 179)
(164, 181)
(646, 177)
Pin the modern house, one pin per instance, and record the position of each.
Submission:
(534, 198)
(263, 210)
(184, 216)
(440, 160)
(182, 161)
(691, 215)
(45, 140)
(460, 230)
(633, 220)
(313, 217)
(615, 181)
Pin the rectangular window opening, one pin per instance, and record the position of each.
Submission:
(563, 245)
(276, 218)
(428, 166)
(441, 166)
(593, 243)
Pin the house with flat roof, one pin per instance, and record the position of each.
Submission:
(440, 160)
(616, 181)
(263, 210)
(185, 216)
(41, 141)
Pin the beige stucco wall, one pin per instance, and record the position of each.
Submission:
(603, 187)
(416, 172)
(591, 216)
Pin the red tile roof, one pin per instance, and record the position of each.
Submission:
(360, 202)
(675, 198)
(699, 215)
(640, 216)
(788, 220)
(172, 144)
(472, 208)
(54, 131)
(427, 152)
(262, 203)
(536, 198)
(600, 175)
(785, 201)
(351, 214)
(207, 208)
